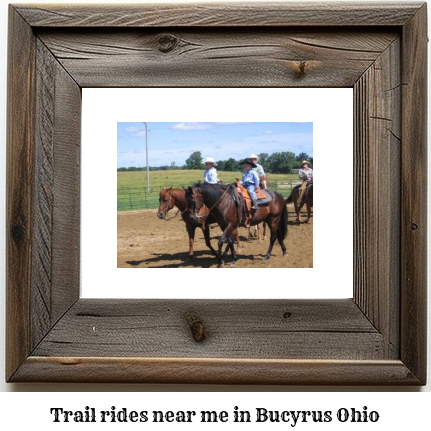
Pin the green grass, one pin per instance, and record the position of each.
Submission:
(132, 193)
(182, 177)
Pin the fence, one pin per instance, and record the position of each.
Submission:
(139, 198)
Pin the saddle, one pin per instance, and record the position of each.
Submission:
(244, 207)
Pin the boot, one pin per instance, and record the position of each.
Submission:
(253, 204)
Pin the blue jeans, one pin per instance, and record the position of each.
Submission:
(251, 188)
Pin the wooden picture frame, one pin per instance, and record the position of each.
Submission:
(378, 337)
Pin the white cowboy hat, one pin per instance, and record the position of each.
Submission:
(253, 156)
(305, 162)
(210, 160)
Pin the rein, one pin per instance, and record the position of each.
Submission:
(170, 218)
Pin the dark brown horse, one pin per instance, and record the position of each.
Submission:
(170, 198)
(222, 204)
(307, 200)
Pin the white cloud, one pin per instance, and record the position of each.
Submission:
(192, 126)
(131, 129)
(238, 122)
(269, 132)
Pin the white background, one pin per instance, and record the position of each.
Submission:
(333, 230)
(398, 410)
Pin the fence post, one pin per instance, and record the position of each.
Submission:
(130, 198)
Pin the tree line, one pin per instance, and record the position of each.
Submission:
(275, 163)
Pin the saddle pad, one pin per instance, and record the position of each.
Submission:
(263, 197)
(265, 200)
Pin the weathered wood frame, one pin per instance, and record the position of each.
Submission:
(379, 337)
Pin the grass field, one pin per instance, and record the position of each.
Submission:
(132, 193)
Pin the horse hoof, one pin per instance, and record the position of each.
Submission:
(285, 253)
(220, 265)
(233, 265)
(266, 257)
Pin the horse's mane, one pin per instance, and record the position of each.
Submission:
(212, 192)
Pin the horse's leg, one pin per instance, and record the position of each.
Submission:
(207, 240)
(308, 210)
(257, 231)
(238, 243)
(281, 242)
(226, 236)
(232, 250)
(272, 224)
(191, 231)
(264, 231)
(250, 233)
(295, 203)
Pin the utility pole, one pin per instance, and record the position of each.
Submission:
(146, 152)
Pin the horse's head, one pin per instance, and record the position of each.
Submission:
(197, 209)
(263, 182)
(166, 202)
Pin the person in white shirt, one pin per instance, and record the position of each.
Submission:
(210, 174)
(306, 175)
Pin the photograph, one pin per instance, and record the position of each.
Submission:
(207, 194)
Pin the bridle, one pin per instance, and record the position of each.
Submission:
(170, 205)
(201, 211)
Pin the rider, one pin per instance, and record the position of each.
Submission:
(210, 174)
(258, 168)
(306, 175)
(250, 180)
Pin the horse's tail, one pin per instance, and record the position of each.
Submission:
(282, 224)
(289, 200)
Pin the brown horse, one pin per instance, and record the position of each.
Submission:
(307, 200)
(170, 198)
(222, 204)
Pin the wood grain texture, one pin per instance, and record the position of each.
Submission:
(234, 329)
(43, 194)
(378, 338)
(216, 14)
(216, 58)
(67, 199)
(377, 101)
(413, 195)
(215, 371)
(56, 194)
(19, 200)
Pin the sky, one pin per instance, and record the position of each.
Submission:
(174, 142)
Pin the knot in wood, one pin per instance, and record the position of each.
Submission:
(300, 69)
(18, 233)
(197, 328)
(414, 226)
(167, 42)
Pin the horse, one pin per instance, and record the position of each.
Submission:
(221, 200)
(168, 198)
(307, 200)
(263, 184)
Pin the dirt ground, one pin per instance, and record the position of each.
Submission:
(144, 241)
